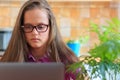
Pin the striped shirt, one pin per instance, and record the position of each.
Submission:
(46, 59)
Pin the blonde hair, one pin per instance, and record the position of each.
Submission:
(18, 49)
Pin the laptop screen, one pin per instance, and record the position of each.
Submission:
(31, 71)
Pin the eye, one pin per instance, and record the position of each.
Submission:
(41, 27)
(27, 26)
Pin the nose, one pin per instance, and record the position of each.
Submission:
(35, 31)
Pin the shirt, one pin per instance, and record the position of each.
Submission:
(46, 58)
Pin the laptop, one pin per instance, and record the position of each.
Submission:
(31, 71)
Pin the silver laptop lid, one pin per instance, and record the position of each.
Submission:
(31, 71)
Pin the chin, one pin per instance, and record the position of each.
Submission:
(36, 46)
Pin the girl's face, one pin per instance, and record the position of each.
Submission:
(36, 25)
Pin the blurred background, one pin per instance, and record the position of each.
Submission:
(73, 17)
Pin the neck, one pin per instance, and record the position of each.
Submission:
(38, 52)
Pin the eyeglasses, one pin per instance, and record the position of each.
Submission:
(27, 28)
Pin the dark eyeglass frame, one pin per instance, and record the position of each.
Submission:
(30, 26)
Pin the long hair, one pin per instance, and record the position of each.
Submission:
(18, 49)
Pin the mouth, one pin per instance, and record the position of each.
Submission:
(35, 39)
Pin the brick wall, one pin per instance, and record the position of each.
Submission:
(72, 17)
(8, 12)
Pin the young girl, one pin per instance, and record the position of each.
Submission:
(36, 38)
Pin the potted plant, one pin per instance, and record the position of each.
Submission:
(75, 44)
(104, 60)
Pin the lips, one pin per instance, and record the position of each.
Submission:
(35, 39)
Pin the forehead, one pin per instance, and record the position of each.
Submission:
(35, 16)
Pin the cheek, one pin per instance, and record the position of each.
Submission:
(46, 35)
(27, 37)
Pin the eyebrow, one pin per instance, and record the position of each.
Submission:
(37, 24)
